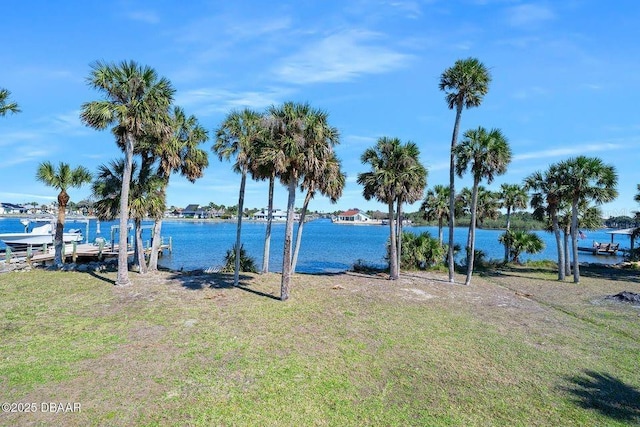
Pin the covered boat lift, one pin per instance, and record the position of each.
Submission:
(625, 232)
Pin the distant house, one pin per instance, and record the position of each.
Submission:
(194, 211)
(353, 216)
(278, 215)
(10, 208)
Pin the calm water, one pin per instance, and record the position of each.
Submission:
(326, 247)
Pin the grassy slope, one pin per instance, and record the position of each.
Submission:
(346, 350)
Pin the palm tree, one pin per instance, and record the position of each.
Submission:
(487, 205)
(413, 179)
(520, 241)
(136, 103)
(513, 197)
(265, 168)
(587, 179)
(436, 207)
(548, 188)
(294, 130)
(329, 183)
(5, 105)
(147, 199)
(589, 218)
(106, 188)
(465, 85)
(179, 152)
(389, 182)
(237, 135)
(486, 154)
(146, 193)
(62, 179)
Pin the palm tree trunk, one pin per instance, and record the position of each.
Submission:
(440, 233)
(156, 241)
(472, 233)
(267, 237)
(63, 199)
(452, 189)
(567, 263)
(556, 232)
(574, 241)
(399, 227)
(142, 265)
(286, 256)
(123, 255)
(303, 213)
(236, 270)
(393, 248)
(506, 243)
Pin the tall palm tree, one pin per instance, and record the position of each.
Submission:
(587, 179)
(465, 85)
(136, 103)
(5, 105)
(62, 178)
(179, 152)
(436, 207)
(329, 183)
(486, 154)
(236, 136)
(389, 182)
(589, 218)
(264, 168)
(413, 179)
(546, 199)
(294, 130)
(513, 197)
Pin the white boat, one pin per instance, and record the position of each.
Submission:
(38, 236)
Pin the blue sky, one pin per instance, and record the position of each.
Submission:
(565, 81)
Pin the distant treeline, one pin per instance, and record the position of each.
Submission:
(519, 221)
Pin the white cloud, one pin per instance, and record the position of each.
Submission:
(22, 196)
(146, 16)
(208, 101)
(567, 151)
(340, 57)
(527, 15)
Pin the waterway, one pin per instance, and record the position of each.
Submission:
(326, 247)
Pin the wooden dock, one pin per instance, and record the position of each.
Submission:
(75, 252)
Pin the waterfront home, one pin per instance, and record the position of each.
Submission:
(355, 216)
(278, 215)
(194, 211)
(10, 208)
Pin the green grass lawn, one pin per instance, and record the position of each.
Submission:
(515, 348)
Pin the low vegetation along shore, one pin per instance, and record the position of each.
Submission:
(515, 348)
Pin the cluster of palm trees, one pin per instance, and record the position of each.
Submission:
(294, 143)
(573, 184)
(138, 107)
(396, 177)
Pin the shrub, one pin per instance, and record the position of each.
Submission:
(247, 264)
(521, 241)
(361, 266)
(420, 252)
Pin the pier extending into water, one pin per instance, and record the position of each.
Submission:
(75, 252)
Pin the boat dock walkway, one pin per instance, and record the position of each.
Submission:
(74, 252)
